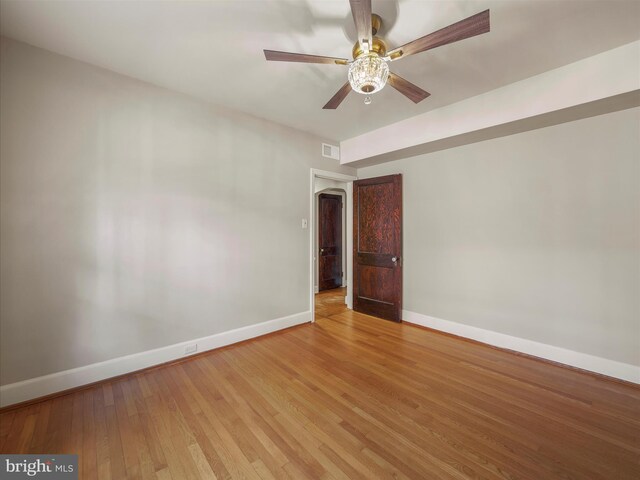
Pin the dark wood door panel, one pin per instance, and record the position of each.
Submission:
(330, 273)
(330, 251)
(375, 222)
(387, 311)
(380, 260)
(377, 246)
(329, 241)
(376, 283)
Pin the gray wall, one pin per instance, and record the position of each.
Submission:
(133, 217)
(536, 235)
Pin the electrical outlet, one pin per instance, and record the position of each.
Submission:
(191, 349)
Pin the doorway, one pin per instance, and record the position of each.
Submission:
(337, 190)
(331, 232)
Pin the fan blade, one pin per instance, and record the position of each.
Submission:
(275, 56)
(408, 89)
(361, 12)
(467, 28)
(337, 99)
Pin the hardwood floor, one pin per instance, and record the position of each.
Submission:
(350, 396)
(330, 302)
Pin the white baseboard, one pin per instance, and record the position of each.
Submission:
(584, 361)
(76, 377)
(316, 289)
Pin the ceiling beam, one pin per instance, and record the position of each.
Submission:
(599, 84)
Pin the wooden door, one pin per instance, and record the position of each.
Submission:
(377, 247)
(329, 241)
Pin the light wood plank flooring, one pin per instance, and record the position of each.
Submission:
(350, 396)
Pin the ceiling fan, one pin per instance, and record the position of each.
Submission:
(368, 71)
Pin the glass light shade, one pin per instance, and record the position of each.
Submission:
(368, 74)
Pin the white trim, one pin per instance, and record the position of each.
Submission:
(312, 266)
(349, 179)
(76, 377)
(584, 361)
(349, 213)
(333, 175)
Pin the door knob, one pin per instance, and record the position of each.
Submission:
(394, 259)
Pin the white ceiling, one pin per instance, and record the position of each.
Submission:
(212, 49)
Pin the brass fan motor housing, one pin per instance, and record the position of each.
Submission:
(376, 23)
(378, 46)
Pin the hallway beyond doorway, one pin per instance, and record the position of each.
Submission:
(330, 302)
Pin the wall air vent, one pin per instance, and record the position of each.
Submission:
(331, 151)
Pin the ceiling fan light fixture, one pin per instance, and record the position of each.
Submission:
(368, 74)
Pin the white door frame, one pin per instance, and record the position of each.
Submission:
(348, 180)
